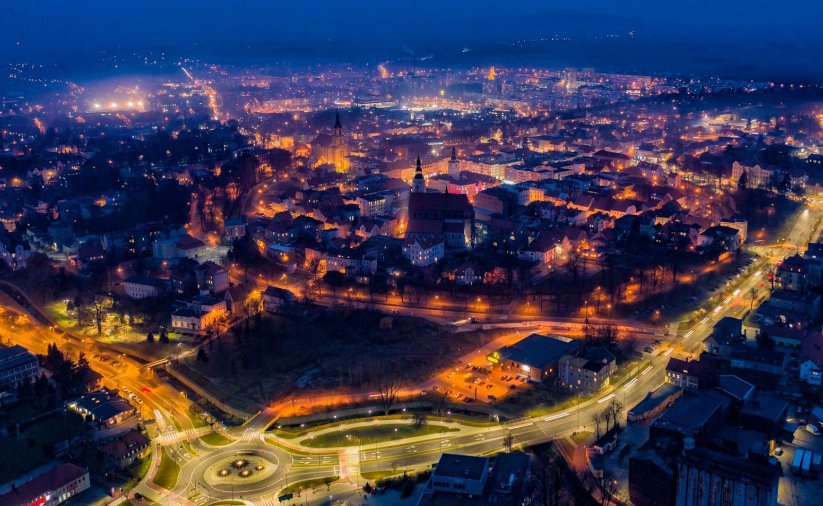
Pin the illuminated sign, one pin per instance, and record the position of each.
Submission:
(494, 358)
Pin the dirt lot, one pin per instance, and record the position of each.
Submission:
(341, 350)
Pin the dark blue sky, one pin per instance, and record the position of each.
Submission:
(730, 36)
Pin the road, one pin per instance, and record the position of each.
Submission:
(286, 461)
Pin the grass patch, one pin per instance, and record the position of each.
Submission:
(581, 436)
(226, 503)
(140, 471)
(215, 439)
(293, 433)
(296, 488)
(196, 420)
(379, 475)
(168, 471)
(375, 434)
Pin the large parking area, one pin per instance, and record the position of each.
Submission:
(472, 379)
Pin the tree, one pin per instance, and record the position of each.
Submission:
(253, 305)
(419, 420)
(743, 182)
(508, 442)
(771, 275)
(150, 337)
(202, 356)
(753, 295)
(388, 389)
(598, 420)
(614, 410)
(547, 473)
(765, 341)
(164, 337)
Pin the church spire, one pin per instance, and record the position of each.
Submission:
(454, 153)
(337, 121)
(418, 183)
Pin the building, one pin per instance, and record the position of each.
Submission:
(145, 287)
(536, 357)
(418, 183)
(424, 251)
(791, 273)
(275, 299)
(212, 278)
(235, 229)
(478, 481)
(448, 216)
(331, 149)
(48, 489)
(460, 474)
(17, 365)
(709, 476)
(102, 408)
(683, 373)
(191, 321)
(587, 371)
(126, 449)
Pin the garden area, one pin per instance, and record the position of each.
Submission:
(373, 434)
(167, 472)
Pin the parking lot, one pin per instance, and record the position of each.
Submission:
(474, 382)
(793, 486)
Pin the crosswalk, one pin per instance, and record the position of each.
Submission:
(252, 435)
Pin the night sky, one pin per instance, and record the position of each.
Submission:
(752, 38)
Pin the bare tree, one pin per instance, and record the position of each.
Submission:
(548, 478)
(508, 442)
(614, 410)
(419, 420)
(598, 420)
(388, 388)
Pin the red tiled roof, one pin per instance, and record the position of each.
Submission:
(47, 482)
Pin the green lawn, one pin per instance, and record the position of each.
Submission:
(215, 439)
(142, 469)
(379, 475)
(581, 436)
(168, 471)
(308, 484)
(376, 434)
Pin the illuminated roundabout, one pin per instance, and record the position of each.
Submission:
(237, 471)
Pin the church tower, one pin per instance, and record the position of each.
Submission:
(418, 184)
(454, 165)
(337, 136)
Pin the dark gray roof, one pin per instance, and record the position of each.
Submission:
(735, 386)
(15, 356)
(461, 466)
(539, 351)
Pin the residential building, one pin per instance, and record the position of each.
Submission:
(683, 373)
(460, 474)
(212, 278)
(51, 488)
(17, 365)
(424, 251)
(587, 371)
(125, 449)
(275, 299)
(145, 287)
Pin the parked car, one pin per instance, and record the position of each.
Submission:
(813, 429)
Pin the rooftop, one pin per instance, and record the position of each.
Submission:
(538, 350)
